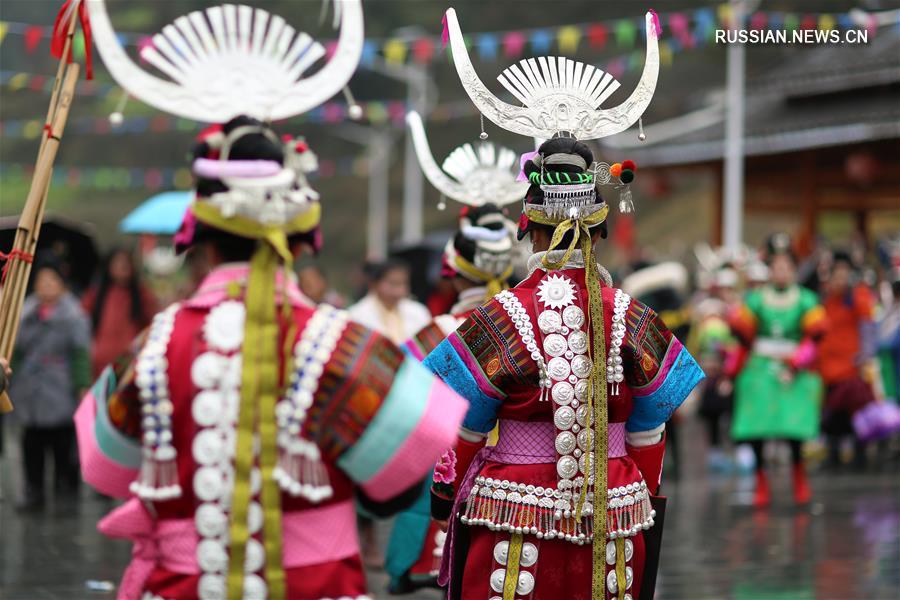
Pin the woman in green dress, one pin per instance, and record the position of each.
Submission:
(777, 393)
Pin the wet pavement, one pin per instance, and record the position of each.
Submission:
(845, 545)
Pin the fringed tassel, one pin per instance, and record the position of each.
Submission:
(545, 518)
(158, 479)
(300, 471)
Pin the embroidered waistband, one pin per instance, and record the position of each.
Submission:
(528, 443)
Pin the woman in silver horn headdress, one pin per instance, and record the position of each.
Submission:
(579, 377)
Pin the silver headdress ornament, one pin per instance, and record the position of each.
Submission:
(233, 60)
(557, 94)
(473, 175)
(562, 96)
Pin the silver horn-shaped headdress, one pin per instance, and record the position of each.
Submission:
(473, 175)
(231, 60)
(557, 94)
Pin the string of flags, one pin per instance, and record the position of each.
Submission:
(111, 178)
(687, 29)
(375, 112)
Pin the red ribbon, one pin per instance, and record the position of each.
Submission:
(23, 256)
(445, 33)
(61, 31)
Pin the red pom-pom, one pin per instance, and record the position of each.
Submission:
(616, 169)
(523, 222)
(629, 164)
(301, 147)
(211, 130)
(286, 138)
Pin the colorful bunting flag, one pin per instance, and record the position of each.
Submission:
(689, 28)
(513, 44)
(626, 33)
(487, 46)
(395, 51)
(597, 35)
(33, 35)
(540, 41)
(423, 50)
(568, 38)
(665, 53)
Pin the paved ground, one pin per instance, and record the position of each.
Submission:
(845, 545)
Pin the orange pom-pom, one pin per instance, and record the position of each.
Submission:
(616, 169)
(629, 164)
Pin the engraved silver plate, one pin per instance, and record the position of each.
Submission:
(611, 582)
(573, 317)
(629, 550)
(549, 321)
(578, 342)
(207, 447)
(206, 407)
(582, 463)
(255, 586)
(564, 418)
(585, 439)
(529, 554)
(555, 345)
(211, 556)
(211, 587)
(254, 557)
(558, 368)
(610, 553)
(582, 415)
(497, 578)
(562, 393)
(556, 291)
(567, 467)
(581, 366)
(565, 442)
(526, 583)
(581, 390)
(208, 483)
(210, 520)
(501, 552)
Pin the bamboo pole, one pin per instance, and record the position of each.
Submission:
(29, 227)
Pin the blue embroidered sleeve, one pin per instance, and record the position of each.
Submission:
(445, 362)
(655, 408)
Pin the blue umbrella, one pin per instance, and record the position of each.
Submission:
(161, 214)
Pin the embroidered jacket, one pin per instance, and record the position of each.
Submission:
(358, 419)
(523, 359)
